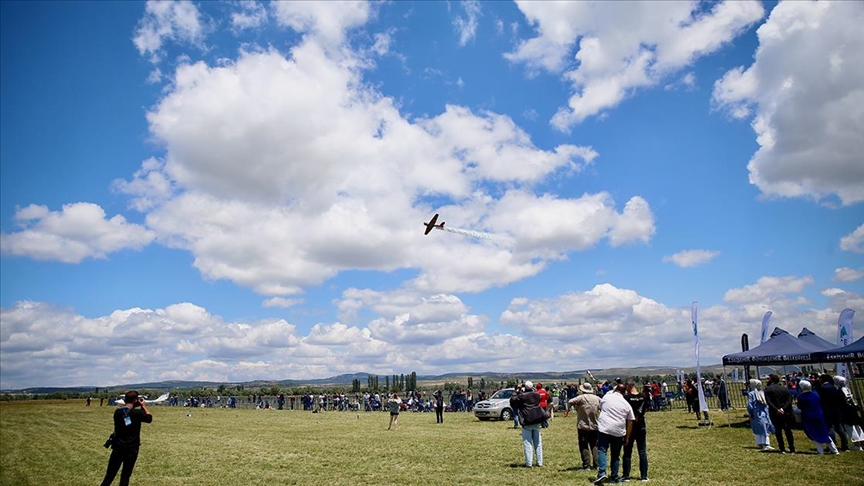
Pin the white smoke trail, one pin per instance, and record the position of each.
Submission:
(476, 234)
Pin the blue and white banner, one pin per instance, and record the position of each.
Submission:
(764, 336)
(703, 405)
(844, 338)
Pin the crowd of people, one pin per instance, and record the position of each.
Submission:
(610, 416)
(830, 416)
(610, 419)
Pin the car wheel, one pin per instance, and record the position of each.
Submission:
(506, 414)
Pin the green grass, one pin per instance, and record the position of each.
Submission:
(61, 443)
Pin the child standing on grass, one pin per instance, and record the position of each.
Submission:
(394, 404)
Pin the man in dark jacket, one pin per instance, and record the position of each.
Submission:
(126, 437)
(531, 415)
(779, 402)
(832, 401)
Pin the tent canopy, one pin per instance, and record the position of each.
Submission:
(854, 353)
(810, 337)
(781, 349)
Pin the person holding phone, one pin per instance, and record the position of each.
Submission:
(126, 439)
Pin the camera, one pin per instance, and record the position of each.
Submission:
(108, 443)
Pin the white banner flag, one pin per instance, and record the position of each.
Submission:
(764, 336)
(844, 338)
(703, 405)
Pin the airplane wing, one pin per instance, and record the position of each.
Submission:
(162, 398)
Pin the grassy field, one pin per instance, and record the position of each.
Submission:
(61, 443)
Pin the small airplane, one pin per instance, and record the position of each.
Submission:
(431, 224)
(162, 398)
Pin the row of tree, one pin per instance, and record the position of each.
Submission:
(400, 383)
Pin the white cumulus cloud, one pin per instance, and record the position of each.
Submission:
(623, 46)
(80, 230)
(854, 241)
(846, 274)
(807, 108)
(177, 21)
(691, 258)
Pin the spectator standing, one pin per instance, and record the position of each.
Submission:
(395, 405)
(655, 396)
(813, 419)
(833, 401)
(850, 416)
(126, 439)
(692, 396)
(614, 428)
(514, 407)
(640, 404)
(531, 414)
(780, 412)
(587, 406)
(760, 421)
(722, 394)
(544, 401)
(439, 407)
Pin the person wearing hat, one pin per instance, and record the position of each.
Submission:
(587, 406)
(531, 415)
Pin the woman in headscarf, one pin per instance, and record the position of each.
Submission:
(850, 415)
(760, 421)
(812, 418)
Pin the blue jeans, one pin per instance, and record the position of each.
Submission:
(605, 442)
(533, 443)
(637, 436)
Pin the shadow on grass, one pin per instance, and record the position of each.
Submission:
(691, 427)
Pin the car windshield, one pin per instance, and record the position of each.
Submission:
(501, 394)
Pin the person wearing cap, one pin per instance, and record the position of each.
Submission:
(614, 427)
(587, 405)
(531, 415)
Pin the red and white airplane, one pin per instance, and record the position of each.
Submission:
(431, 224)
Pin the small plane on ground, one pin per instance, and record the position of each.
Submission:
(162, 398)
(431, 224)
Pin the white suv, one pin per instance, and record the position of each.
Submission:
(497, 406)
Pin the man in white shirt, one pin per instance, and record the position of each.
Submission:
(614, 427)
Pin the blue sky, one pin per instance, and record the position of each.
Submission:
(235, 191)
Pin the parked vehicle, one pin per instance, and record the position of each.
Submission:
(496, 407)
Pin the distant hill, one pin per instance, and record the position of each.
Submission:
(491, 377)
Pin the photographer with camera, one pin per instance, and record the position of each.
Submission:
(126, 439)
